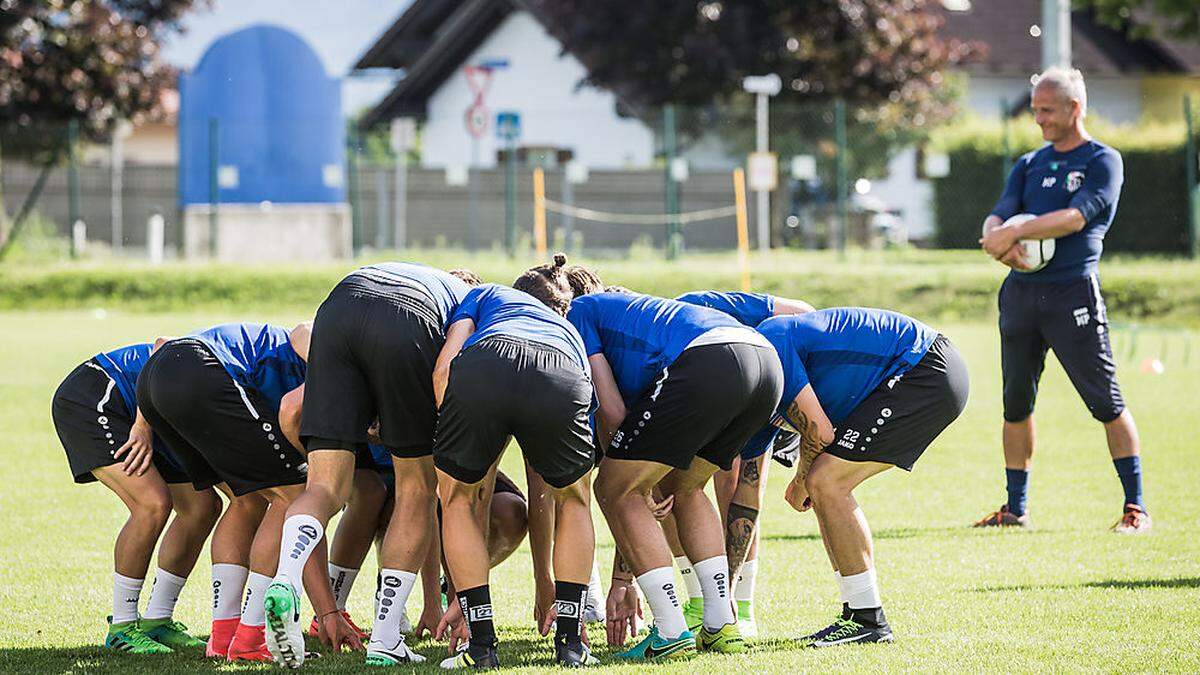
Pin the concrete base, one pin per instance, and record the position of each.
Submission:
(253, 233)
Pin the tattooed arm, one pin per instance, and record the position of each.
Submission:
(742, 516)
(816, 433)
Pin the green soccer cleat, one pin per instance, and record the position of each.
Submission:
(693, 614)
(745, 620)
(657, 648)
(170, 633)
(127, 637)
(728, 640)
(285, 636)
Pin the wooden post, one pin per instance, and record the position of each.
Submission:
(539, 213)
(743, 231)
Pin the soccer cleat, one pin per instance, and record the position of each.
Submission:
(1135, 520)
(747, 626)
(250, 644)
(285, 637)
(846, 631)
(727, 640)
(573, 653)
(464, 659)
(812, 637)
(314, 627)
(398, 654)
(1003, 518)
(127, 637)
(220, 637)
(593, 605)
(657, 648)
(170, 633)
(693, 614)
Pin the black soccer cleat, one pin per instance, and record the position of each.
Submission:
(851, 631)
(573, 653)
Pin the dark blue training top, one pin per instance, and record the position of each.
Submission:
(123, 366)
(750, 309)
(445, 289)
(1087, 178)
(640, 335)
(844, 353)
(257, 356)
(503, 311)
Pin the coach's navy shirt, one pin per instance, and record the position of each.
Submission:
(1087, 178)
(500, 311)
(750, 309)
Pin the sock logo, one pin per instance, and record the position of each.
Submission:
(566, 609)
(669, 589)
(722, 586)
(392, 582)
(480, 613)
(216, 592)
(309, 530)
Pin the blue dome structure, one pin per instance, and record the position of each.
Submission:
(277, 115)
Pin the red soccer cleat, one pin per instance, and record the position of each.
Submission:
(1003, 518)
(250, 644)
(313, 628)
(1133, 521)
(221, 636)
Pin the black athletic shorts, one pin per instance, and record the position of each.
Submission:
(502, 386)
(706, 404)
(92, 422)
(374, 345)
(1070, 318)
(897, 421)
(221, 432)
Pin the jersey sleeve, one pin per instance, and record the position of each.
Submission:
(1010, 203)
(582, 317)
(760, 442)
(469, 307)
(1102, 185)
(749, 309)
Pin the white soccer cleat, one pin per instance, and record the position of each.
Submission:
(285, 635)
(398, 654)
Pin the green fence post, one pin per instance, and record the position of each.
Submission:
(672, 188)
(214, 187)
(843, 178)
(510, 199)
(356, 216)
(72, 173)
(1190, 169)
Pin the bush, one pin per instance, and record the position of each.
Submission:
(1152, 215)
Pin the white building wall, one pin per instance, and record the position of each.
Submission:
(1116, 99)
(540, 84)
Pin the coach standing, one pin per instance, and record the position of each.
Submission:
(1072, 185)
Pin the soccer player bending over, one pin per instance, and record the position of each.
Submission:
(866, 389)
(513, 367)
(107, 439)
(1072, 185)
(375, 340)
(681, 389)
(214, 397)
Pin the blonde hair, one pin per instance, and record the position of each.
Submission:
(1066, 81)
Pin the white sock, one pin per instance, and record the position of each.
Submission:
(164, 594)
(127, 591)
(658, 585)
(714, 579)
(862, 590)
(342, 580)
(841, 584)
(253, 610)
(743, 590)
(300, 534)
(228, 582)
(395, 587)
(690, 582)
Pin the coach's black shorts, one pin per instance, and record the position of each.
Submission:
(897, 421)
(1068, 317)
(502, 386)
(221, 431)
(374, 345)
(93, 422)
(706, 404)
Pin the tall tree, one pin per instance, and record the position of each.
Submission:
(92, 61)
(1177, 18)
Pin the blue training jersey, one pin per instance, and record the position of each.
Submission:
(640, 335)
(445, 289)
(503, 311)
(844, 353)
(257, 356)
(1087, 178)
(123, 365)
(750, 309)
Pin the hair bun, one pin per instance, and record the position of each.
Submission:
(560, 259)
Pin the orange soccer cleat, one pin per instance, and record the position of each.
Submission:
(221, 636)
(250, 644)
(1003, 518)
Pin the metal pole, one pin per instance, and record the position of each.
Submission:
(214, 199)
(473, 195)
(356, 217)
(381, 206)
(762, 204)
(1056, 33)
(843, 179)
(1193, 190)
(671, 195)
(118, 181)
(72, 171)
(400, 236)
(510, 199)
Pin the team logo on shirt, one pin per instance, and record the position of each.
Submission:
(1049, 181)
(1081, 316)
(1074, 181)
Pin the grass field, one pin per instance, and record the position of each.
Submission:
(1063, 596)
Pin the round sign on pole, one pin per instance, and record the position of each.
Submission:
(477, 120)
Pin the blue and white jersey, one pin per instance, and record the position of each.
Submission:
(445, 289)
(750, 309)
(501, 310)
(257, 356)
(124, 365)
